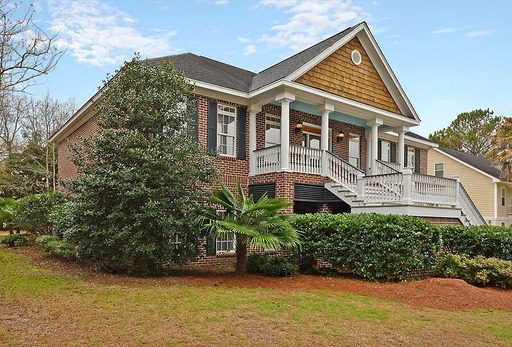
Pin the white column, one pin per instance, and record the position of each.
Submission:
(368, 152)
(374, 138)
(285, 99)
(326, 110)
(253, 110)
(401, 144)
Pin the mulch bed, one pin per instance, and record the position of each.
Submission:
(441, 293)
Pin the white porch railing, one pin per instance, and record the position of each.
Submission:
(267, 160)
(305, 160)
(384, 168)
(392, 187)
(383, 188)
(434, 190)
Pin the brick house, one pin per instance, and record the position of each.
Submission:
(327, 128)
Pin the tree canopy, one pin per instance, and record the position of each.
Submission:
(143, 178)
(502, 148)
(469, 132)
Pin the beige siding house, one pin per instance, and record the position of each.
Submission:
(481, 179)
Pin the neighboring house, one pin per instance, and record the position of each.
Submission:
(327, 129)
(481, 179)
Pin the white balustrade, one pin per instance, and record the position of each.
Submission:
(384, 168)
(305, 160)
(342, 172)
(469, 208)
(383, 188)
(433, 190)
(267, 160)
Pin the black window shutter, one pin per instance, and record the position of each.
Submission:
(211, 244)
(379, 149)
(212, 126)
(393, 152)
(241, 116)
(406, 150)
(194, 129)
(417, 159)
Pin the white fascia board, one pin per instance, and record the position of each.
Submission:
(414, 139)
(494, 179)
(76, 116)
(218, 88)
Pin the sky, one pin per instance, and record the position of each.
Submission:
(449, 56)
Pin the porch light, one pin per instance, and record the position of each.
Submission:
(340, 136)
(298, 127)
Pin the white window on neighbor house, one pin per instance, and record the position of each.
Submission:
(385, 151)
(439, 170)
(272, 130)
(354, 150)
(503, 196)
(226, 130)
(225, 243)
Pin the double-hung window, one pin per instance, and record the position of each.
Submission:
(503, 196)
(354, 149)
(272, 130)
(385, 152)
(439, 170)
(226, 130)
(225, 242)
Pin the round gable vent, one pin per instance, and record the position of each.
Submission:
(356, 57)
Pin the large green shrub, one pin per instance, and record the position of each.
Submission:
(56, 247)
(8, 207)
(478, 271)
(270, 266)
(14, 240)
(33, 211)
(372, 246)
(487, 241)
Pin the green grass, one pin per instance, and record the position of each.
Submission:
(44, 308)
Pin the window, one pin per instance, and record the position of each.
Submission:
(411, 158)
(225, 242)
(503, 196)
(176, 241)
(354, 150)
(385, 152)
(439, 170)
(313, 138)
(272, 130)
(226, 130)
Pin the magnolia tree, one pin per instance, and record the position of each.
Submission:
(143, 178)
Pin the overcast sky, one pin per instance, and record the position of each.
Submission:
(450, 56)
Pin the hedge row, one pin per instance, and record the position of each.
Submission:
(478, 271)
(372, 246)
(486, 241)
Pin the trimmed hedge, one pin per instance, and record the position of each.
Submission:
(372, 246)
(14, 240)
(486, 241)
(270, 266)
(57, 247)
(478, 271)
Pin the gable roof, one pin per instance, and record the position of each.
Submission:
(211, 71)
(477, 162)
(291, 64)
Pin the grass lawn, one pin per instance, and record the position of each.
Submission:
(44, 307)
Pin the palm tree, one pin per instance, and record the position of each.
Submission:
(256, 224)
(502, 148)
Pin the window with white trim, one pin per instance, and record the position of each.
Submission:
(226, 130)
(411, 158)
(176, 241)
(354, 150)
(503, 196)
(385, 151)
(439, 170)
(225, 243)
(272, 130)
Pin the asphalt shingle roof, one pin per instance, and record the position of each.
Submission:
(211, 71)
(480, 163)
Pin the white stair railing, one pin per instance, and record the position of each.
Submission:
(383, 188)
(267, 159)
(342, 172)
(468, 207)
(384, 168)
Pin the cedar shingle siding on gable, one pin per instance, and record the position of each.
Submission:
(338, 75)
